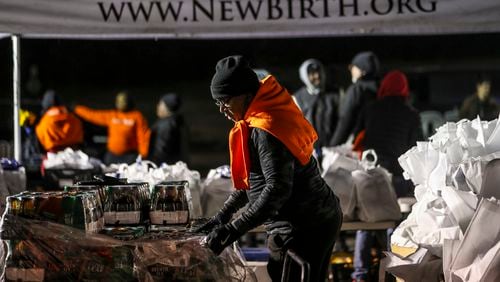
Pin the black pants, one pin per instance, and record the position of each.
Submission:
(127, 158)
(313, 245)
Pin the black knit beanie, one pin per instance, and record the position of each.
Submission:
(172, 101)
(233, 77)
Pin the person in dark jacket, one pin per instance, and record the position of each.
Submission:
(168, 141)
(481, 103)
(391, 127)
(364, 72)
(319, 107)
(272, 169)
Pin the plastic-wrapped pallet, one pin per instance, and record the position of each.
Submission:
(46, 251)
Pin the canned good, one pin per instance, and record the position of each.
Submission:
(169, 203)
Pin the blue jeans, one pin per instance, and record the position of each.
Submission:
(362, 250)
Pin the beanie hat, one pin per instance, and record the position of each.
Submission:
(233, 77)
(394, 83)
(50, 99)
(172, 101)
(367, 62)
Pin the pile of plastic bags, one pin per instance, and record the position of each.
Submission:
(365, 190)
(451, 176)
(70, 159)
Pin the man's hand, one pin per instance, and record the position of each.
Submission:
(208, 226)
(222, 237)
(217, 220)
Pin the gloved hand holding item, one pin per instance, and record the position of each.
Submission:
(222, 237)
(219, 219)
(235, 201)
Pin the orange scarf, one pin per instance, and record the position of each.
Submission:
(273, 110)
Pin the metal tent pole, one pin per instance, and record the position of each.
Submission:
(16, 52)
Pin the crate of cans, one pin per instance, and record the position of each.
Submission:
(169, 203)
(82, 210)
(126, 204)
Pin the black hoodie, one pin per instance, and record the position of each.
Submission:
(358, 95)
(319, 107)
(168, 140)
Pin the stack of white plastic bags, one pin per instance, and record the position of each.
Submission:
(70, 159)
(451, 223)
(147, 171)
(216, 189)
(364, 189)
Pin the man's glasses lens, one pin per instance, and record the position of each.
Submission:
(220, 103)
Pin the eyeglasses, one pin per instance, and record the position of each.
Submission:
(222, 102)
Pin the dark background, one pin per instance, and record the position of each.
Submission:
(442, 72)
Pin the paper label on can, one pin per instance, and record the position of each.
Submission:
(133, 217)
(159, 217)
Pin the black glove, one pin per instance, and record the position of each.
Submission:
(222, 237)
(218, 219)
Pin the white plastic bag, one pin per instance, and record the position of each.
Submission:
(475, 258)
(343, 186)
(216, 189)
(376, 198)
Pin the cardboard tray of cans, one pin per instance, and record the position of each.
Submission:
(47, 251)
(169, 203)
(78, 209)
(126, 204)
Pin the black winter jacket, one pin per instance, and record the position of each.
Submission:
(321, 111)
(358, 95)
(281, 189)
(168, 140)
(392, 127)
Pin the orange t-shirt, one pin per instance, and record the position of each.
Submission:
(127, 131)
(59, 128)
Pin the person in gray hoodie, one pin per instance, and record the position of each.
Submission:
(318, 106)
(364, 70)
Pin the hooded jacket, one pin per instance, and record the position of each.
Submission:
(168, 140)
(358, 95)
(318, 106)
(391, 126)
(58, 128)
(127, 131)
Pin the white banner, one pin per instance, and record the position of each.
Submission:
(245, 18)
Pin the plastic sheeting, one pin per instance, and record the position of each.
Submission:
(35, 250)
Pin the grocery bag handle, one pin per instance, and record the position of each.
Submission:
(369, 159)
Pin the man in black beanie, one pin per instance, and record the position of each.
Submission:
(272, 169)
(364, 70)
(169, 137)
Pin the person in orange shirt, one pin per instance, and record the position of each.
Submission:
(58, 128)
(128, 132)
